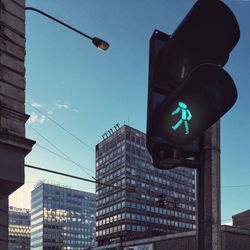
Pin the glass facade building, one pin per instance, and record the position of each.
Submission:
(19, 228)
(127, 206)
(62, 218)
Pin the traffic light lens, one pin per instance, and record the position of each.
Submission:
(185, 116)
(206, 95)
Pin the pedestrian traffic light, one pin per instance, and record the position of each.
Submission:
(188, 88)
(195, 105)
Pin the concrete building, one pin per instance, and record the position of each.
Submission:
(127, 205)
(242, 220)
(19, 228)
(62, 218)
(13, 143)
(231, 239)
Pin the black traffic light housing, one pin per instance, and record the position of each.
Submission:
(188, 90)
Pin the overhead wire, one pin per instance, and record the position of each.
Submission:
(60, 156)
(65, 155)
(236, 186)
(67, 158)
(73, 176)
(62, 127)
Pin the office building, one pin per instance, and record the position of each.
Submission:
(62, 218)
(127, 205)
(19, 228)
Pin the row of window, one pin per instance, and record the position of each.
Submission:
(142, 207)
(155, 209)
(111, 155)
(65, 201)
(111, 230)
(83, 214)
(111, 176)
(112, 197)
(115, 186)
(133, 137)
(149, 177)
(131, 182)
(157, 177)
(69, 243)
(140, 228)
(110, 209)
(105, 147)
(142, 164)
(147, 219)
(136, 138)
(82, 234)
(110, 166)
(154, 188)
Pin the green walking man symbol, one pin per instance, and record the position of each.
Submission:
(185, 116)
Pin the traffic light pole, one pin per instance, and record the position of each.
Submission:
(208, 192)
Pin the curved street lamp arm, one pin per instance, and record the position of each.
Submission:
(58, 21)
(98, 42)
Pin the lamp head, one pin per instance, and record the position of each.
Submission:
(100, 44)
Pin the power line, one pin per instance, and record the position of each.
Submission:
(52, 152)
(60, 156)
(73, 176)
(59, 173)
(58, 149)
(62, 127)
(236, 186)
(122, 188)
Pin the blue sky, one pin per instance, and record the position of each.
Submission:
(89, 91)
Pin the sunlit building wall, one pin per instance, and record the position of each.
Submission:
(127, 205)
(19, 228)
(62, 218)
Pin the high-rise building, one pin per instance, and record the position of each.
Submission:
(62, 218)
(137, 199)
(19, 228)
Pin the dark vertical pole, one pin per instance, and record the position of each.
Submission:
(208, 188)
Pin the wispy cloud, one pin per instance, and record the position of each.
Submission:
(62, 105)
(36, 118)
(50, 112)
(42, 112)
(37, 105)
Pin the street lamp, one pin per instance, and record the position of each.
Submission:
(98, 42)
